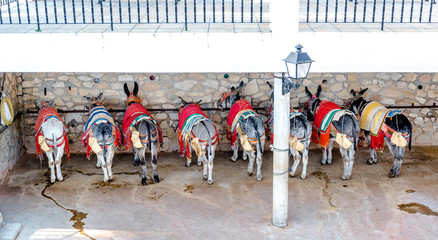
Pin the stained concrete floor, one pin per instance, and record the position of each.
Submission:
(182, 206)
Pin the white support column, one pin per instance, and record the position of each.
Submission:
(281, 154)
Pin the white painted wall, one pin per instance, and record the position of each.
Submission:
(220, 52)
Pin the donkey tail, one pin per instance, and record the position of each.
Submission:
(104, 144)
(55, 144)
(209, 140)
(149, 135)
(410, 135)
(355, 134)
(257, 134)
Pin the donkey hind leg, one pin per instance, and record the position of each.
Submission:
(101, 161)
(259, 161)
(200, 158)
(136, 158)
(296, 160)
(210, 164)
(329, 151)
(373, 154)
(109, 161)
(398, 154)
(348, 159)
(154, 155)
(140, 152)
(244, 155)
(189, 160)
(235, 150)
(58, 159)
(252, 156)
(305, 157)
(49, 155)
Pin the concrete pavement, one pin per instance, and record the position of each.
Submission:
(183, 206)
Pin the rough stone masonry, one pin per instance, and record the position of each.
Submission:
(66, 91)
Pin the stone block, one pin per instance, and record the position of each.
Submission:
(425, 78)
(185, 85)
(409, 77)
(352, 77)
(250, 88)
(84, 78)
(126, 78)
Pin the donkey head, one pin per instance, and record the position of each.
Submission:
(184, 103)
(356, 100)
(94, 101)
(229, 97)
(132, 96)
(313, 100)
(45, 105)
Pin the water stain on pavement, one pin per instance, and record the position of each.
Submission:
(417, 208)
(323, 176)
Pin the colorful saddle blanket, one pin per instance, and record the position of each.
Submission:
(100, 114)
(189, 116)
(240, 111)
(43, 115)
(134, 113)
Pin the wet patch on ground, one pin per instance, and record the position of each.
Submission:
(410, 191)
(188, 188)
(323, 176)
(77, 217)
(417, 208)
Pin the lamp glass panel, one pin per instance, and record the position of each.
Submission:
(302, 70)
(291, 70)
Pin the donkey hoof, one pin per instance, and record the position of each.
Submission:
(52, 180)
(370, 161)
(156, 179)
(205, 177)
(210, 182)
(199, 163)
(303, 176)
(291, 175)
(136, 163)
(143, 181)
(105, 179)
(60, 179)
(233, 159)
(187, 164)
(250, 174)
(259, 178)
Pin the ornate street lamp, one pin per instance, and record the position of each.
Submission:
(297, 65)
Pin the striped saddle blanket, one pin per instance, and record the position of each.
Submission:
(240, 111)
(373, 116)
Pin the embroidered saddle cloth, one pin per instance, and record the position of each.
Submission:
(134, 113)
(44, 114)
(240, 111)
(189, 116)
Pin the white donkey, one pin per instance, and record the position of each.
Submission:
(101, 136)
(51, 137)
(299, 140)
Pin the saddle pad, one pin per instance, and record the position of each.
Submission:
(131, 115)
(186, 111)
(372, 117)
(97, 114)
(324, 115)
(236, 108)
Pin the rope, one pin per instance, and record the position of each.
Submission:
(279, 174)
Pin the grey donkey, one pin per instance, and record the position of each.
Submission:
(300, 129)
(102, 128)
(398, 122)
(200, 132)
(347, 124)
(148, 129)
(251, 126)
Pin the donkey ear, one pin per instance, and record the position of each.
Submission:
(308, 93)
(182, 101)
(240, 85)
(233, 89)
(125, 87)
(363, 91)
(50, 104)
(270, 85)
(99, 98)
(352, 93)
(88, 98)
(135, 89)
(318, 91)
(199, 101)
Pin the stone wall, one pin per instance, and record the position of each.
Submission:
(11, 144)
(67, 89)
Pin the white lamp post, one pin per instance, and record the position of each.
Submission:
(297, 64)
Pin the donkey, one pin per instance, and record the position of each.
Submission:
(196, 131)
(101, 135)
(244, 123)
(330, 123)
(51, 137)
(379, 123)
(300, 131)
(141, 130)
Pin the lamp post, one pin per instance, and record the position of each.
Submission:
(297, 65)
